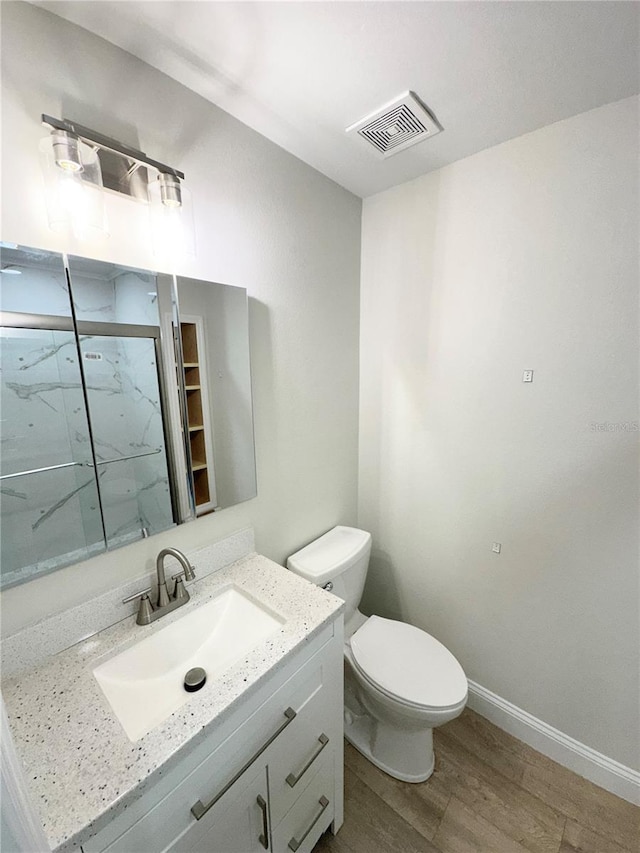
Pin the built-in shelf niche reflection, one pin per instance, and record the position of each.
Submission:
(200, 428)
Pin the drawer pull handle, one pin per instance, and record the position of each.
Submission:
(199, 809)
(292, 780)
(295, 843)
(264, 838)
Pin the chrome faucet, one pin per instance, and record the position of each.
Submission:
(166, 602)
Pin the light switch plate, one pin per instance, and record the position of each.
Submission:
(496, 547)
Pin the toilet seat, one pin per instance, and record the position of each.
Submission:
(408, 665)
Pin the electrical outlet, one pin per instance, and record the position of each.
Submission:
(527, 376)
(496, 547)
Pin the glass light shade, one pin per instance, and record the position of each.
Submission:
(74, 199)
(172, 226)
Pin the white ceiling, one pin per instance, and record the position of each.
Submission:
(301, 72)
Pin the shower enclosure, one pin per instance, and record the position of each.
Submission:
(85, 458)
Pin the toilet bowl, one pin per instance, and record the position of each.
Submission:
(400, 682)
(406, 684)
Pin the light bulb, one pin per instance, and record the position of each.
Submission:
(68, 166)
(170, 190)
(66, 151)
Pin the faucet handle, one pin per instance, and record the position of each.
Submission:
(179, 591)
(145, 608)
(144, 611)
(135, 595)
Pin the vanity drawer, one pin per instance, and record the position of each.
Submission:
(312, 735)
(304, 823)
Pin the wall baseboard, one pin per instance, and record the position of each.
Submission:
(570, 753)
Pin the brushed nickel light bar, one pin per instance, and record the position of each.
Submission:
(65, 138)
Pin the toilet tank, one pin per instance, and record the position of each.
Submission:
(341, 557)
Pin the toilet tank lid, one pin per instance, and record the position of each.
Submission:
(332, 553)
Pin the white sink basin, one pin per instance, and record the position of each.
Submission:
(144, 684)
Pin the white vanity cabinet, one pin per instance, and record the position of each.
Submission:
(269, 777)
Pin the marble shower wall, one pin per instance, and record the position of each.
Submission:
(53, 518)
(126, 418)
(39, 285)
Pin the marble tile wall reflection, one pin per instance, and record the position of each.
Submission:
(111, 294)
(39, 288)
(52, 518)
(126, 420)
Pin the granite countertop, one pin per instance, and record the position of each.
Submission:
(80, 764)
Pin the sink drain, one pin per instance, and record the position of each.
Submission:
(195, 679)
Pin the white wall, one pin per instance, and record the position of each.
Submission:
(524, 256)
(264, 221)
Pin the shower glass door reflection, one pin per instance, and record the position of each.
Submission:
(121, 369)
(50, 506)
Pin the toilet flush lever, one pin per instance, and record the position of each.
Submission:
(328, 586)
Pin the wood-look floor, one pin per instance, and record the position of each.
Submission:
(490, 793)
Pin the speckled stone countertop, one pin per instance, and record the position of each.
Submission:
(82, 768)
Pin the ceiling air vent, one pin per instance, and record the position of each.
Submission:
(397, 125)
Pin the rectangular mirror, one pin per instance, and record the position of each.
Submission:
(214, 337)
(121, 353)
(49, 503)
(120, 416)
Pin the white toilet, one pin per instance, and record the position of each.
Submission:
(400, 682)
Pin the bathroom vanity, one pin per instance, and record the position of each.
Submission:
(252, 761)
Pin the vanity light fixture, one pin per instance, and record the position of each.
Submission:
(78, 163)
(10, 270)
